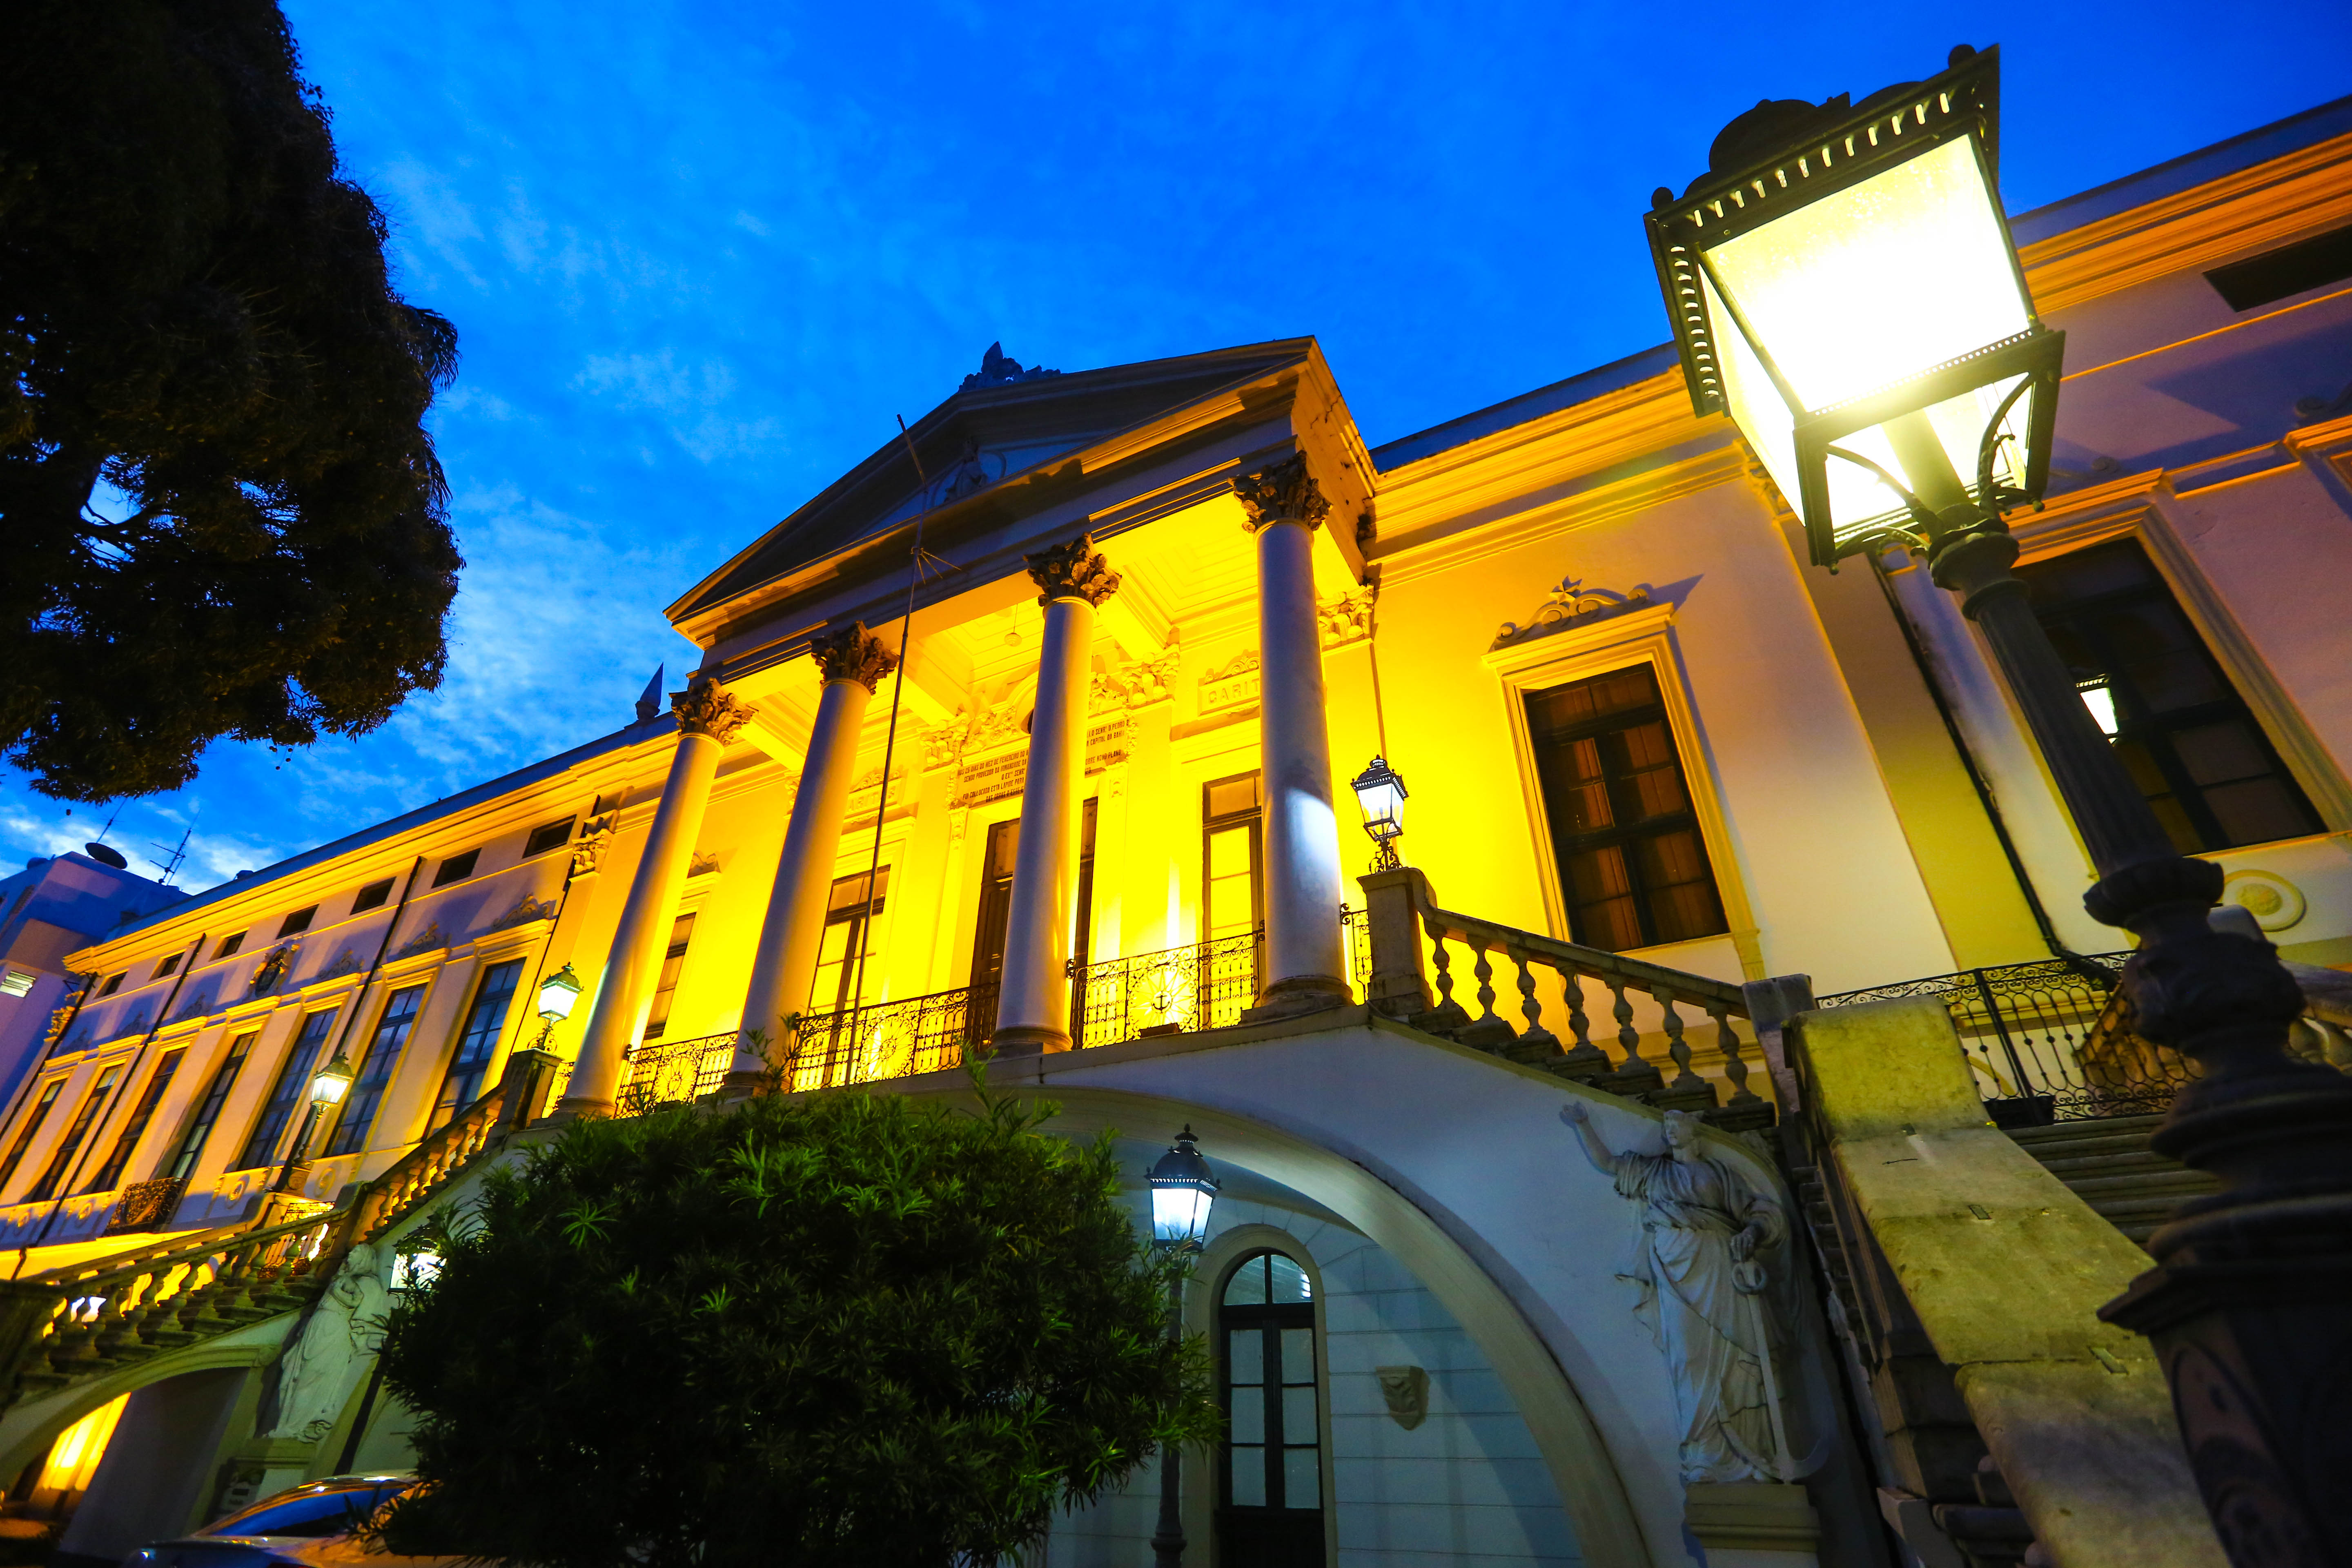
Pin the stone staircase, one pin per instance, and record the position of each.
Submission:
(2108, 1164)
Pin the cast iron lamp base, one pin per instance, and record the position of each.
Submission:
(2250, 1305)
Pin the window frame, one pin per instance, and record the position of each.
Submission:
(1227, 1256)
(204, 1112)
(288, 1085)
(1610, 642)
(110, 1173)
(2308, 761)
(369, 1087)
(297, 922)
(445, 1106)
(458, 867)
(381, 887)
(531, 847)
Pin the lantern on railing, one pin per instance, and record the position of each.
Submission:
(1842, 283)
(1380, 793)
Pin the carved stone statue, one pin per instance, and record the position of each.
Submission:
(1406, 1389)
(968, 477)
(319, 1370)
(1705, 1230)
(998, 368)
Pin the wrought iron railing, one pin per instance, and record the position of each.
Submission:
(675, 1070)
(1206, 985)
(2045, 1042)
(1356, 933)
(891, 1039)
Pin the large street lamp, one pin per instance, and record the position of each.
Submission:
(1380, 794)
(327, 1087)
(1842, 284)
(1183, 1188)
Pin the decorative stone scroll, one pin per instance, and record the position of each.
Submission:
(706, 708)
(526, 909)
(852, 653)
(1282, 492)
(1344, 620)
(1072, 571)
(426, 940)
(273, 968)
(1570, 601)
(345, 962)
(589, 848)
(1232, 684)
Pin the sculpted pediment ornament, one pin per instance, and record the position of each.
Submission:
(589, 848)
(1569, 604)
(1344, 620)
(425, 941)
(526, 909)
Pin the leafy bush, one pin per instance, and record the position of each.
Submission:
(838, 1329)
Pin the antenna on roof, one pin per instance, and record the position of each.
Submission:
(925, 561)
(178, 853)
(649, 700)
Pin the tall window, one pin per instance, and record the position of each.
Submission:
(286, 1095)
(125, 1142)
(2182, 732)
(191, 1147)
(987, 931)
(366, 1093)
(32, 1125)
(681, 936)
(1270, 1484)
(485, 1020)
(1233, 833)
(1632, 868)
(849, 918)
(61, 1161)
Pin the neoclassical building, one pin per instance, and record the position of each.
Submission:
(1033, 734)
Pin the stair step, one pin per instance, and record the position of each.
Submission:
(2096, 1127)
(2171, 1186)
(2111, 1164)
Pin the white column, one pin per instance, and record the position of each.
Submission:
(851, 664)
(708, 719)
(1305, 971)
(1033, 1010)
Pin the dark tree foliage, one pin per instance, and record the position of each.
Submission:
(194, 307)
(842, 1330)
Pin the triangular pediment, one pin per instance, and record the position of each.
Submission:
(987, 454)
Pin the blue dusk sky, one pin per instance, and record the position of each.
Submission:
(699, 256)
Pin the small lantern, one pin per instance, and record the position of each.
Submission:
(1381, 792)
(1181, 1191)
(557, 992)
(1842, 283)
(332, 1080)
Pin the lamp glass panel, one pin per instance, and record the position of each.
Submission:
(1878, 282)
(1382, 802)
(556, 996)
(328, 1088)
(1178, 1213)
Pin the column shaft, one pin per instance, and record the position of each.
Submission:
(1033, 1010)
(641, 937)
(1304, 968)
(795, 927)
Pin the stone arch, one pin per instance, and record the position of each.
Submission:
(1582, 1469)
(28, 1427)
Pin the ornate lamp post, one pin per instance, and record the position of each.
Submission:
(1842, 284)
(557, 994)
(1380, 793)
(327, 1087)
(1183, 1188)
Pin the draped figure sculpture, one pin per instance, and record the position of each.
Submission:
(319, 1370)
(1704, 1229)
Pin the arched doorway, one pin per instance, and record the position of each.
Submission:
(1270, 1503)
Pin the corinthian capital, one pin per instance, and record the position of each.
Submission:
(1073, 571)
(852, 653)
(1281, 493)
(706, 708)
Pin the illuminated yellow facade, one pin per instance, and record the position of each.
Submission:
(1075, 812)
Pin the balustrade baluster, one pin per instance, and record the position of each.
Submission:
(1536, 1044)
(1633, 1075)
(1688, 1091)
(1491, 1031)
(1585, 1059)
(1734, 1068)
(1448, 1015)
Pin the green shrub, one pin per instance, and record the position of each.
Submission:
(837, 1329)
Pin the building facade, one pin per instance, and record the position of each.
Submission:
(1036, 733)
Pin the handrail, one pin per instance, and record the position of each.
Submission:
(1401, 913)
(102, 1312)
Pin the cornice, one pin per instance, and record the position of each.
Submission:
(2265, 205)
(1476, 535)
